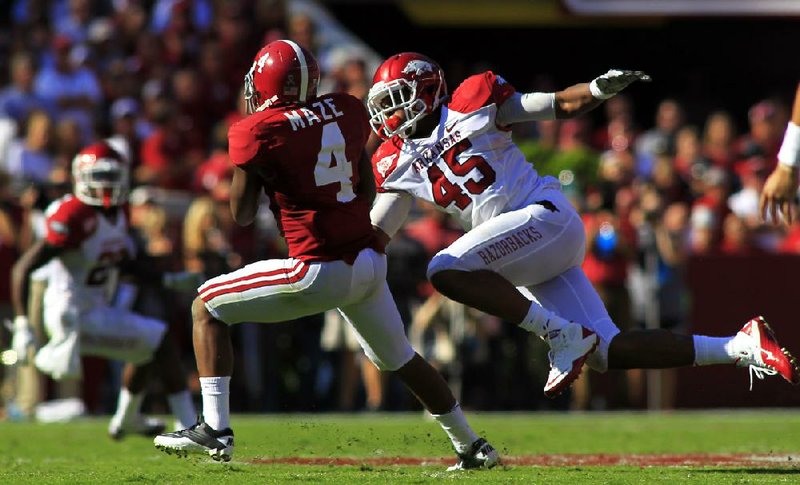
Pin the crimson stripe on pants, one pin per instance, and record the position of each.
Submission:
(252, 276)
(241, 288)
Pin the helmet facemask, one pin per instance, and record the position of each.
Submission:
(388, 97)
(101, 182)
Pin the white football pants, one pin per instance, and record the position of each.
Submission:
(278, 290)
(538, 248)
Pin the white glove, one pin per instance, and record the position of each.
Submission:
(183, 280)
(22, 340)
(614, 81)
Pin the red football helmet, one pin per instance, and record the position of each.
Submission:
(408, 81)
(101, 176)
(282, 72)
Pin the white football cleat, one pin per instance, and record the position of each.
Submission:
(200, 438)
(480, 455)
(570, 346)
(762, 353)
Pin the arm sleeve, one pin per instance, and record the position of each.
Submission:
(390, 211)
(527, 107)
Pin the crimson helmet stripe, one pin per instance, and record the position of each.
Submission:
(303, 69)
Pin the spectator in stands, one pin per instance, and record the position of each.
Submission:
(128, 130)
(18, 100)
(671, 235)
(609, 253)
(719, 136)
(766, 130)
(71, 91)
(704, 227)
(688, 159)
(672, 187)
(197, 14)
(29, 157)
(737, 237)
(206, 247)
(744, 203)
(660, 138)
(75, 23)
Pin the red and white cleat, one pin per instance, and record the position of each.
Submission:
(762, 353)
(570, 346)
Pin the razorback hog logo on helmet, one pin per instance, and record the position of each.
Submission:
(417, 67)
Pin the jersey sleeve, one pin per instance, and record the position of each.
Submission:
(480, 90)
(243, 142)
(384, 162)
(69, 224)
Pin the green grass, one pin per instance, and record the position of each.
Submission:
(80, 452)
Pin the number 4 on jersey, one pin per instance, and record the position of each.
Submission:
(332, 163)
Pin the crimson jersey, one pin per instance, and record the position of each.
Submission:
(468, 166)
(309, 154)
(93, 246)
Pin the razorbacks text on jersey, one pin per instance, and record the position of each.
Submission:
(469, 166)
(308, 154)
(93, 244)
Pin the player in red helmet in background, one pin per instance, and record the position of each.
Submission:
(86, 247)
(524, 236)
(307, 154)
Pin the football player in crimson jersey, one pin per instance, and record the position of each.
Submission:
(307, 153)
(523, 234)
(86, 247)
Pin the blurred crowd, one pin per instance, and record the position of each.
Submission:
(161, 80)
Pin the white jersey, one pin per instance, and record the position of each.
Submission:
(469, 166)
(86, 273)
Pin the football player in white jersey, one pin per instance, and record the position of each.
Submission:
(780, 189)
(523, 234)
(88, 243)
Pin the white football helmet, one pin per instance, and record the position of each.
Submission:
(101, 176)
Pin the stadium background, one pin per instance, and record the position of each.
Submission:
(707, 63)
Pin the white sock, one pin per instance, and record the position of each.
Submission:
(540, 320)
(714, 350)
(182, 407)
(216, 401)
(454, 423)
(128, 406)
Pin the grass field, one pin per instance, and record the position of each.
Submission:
(684, 447)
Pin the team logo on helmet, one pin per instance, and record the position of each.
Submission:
(417, 67)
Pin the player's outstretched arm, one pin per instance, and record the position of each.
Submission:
(780, 188)
(245, 194)
(567, 103)
(578, 99)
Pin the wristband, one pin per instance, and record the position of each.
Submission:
(789, 153)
